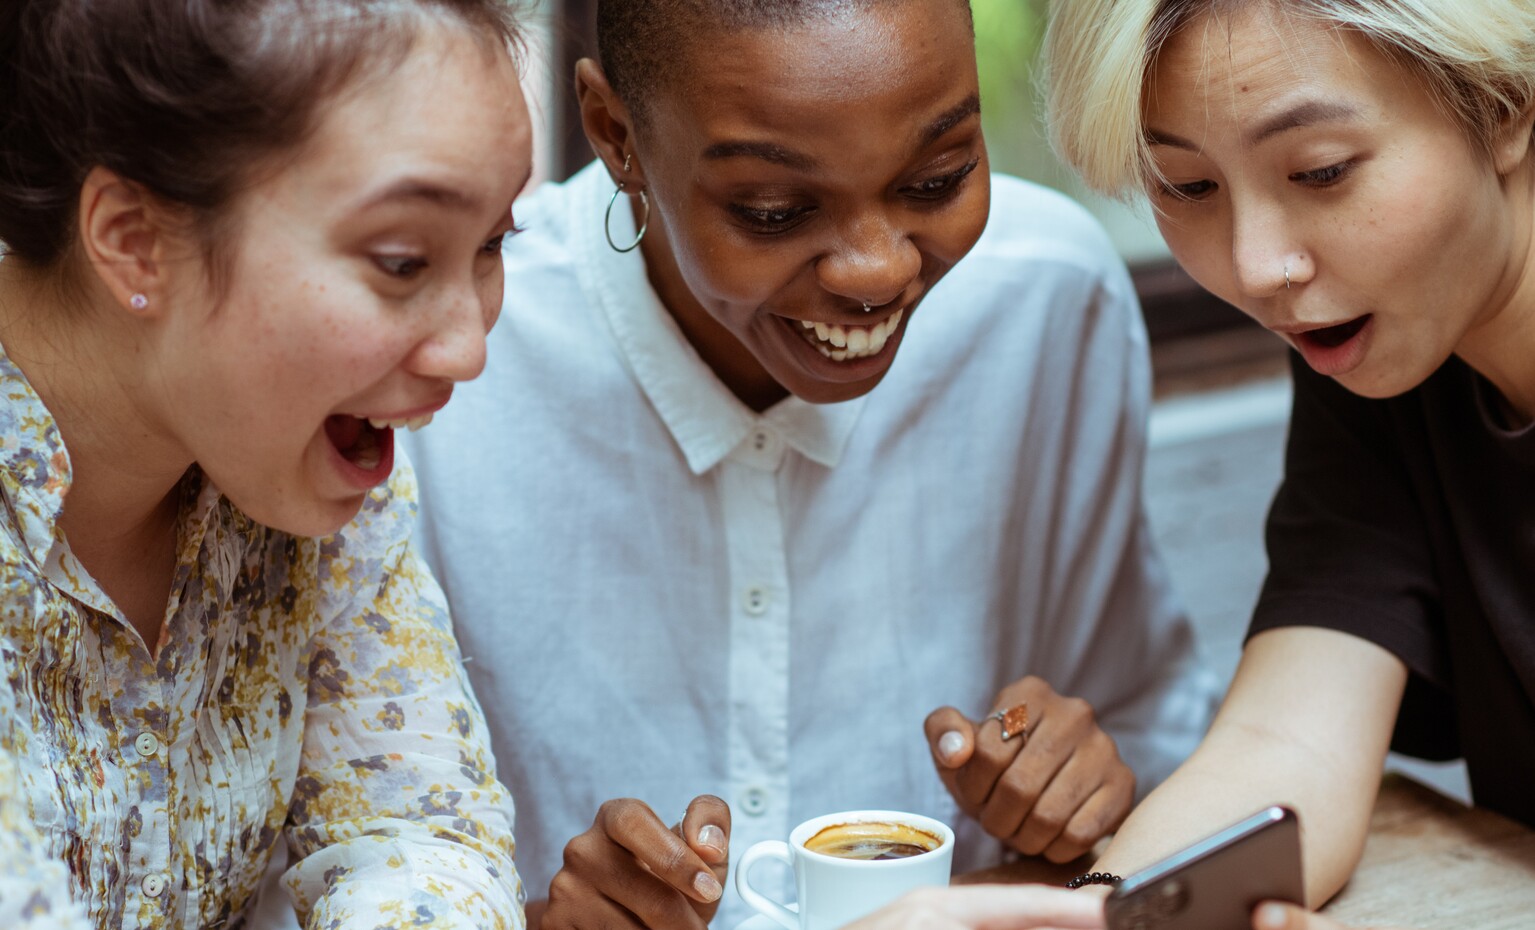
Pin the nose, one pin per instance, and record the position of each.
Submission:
(454, 348)
(874, 262)
(1263, 248)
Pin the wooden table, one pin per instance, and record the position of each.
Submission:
(1430, 863)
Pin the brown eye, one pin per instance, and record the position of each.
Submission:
(400, 266)
(940, 187)
(1324, 177)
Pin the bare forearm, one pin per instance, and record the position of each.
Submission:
(1305, 725)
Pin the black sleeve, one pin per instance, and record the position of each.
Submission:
(1349, 549)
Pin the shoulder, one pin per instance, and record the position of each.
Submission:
(1043, 269)
(1032, 223)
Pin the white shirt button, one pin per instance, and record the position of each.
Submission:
(754, 801)
(760, 440)
(755, 600)
(147, 744)
(154, 884)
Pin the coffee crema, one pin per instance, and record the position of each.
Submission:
(873, 840)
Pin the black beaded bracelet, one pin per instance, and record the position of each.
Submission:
(1094, 878)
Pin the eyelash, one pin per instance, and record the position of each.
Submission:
(1317, 178)
(778, 222)
(406, 267)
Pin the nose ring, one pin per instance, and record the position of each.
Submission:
(1287, 276)
(866, 307)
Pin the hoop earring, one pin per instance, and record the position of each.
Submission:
(607, 220)
(1287, 276)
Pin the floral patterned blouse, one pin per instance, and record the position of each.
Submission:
(308, 689)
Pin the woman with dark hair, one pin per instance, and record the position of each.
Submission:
(752, 547)
(243, 243)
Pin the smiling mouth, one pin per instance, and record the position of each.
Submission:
(845, 343)
(358, 440)
(1330, 337)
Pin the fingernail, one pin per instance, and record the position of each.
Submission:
(711, 835)
(950, 744)
(706, 885)
(1272, 916)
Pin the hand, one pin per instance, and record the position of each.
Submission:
(1273, 915)
(987, 907)
(631, 871)
(1057, 792)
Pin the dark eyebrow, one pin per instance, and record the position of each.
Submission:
(767, 151)
(415, 189)
(1305, 114)
(1299, 116)
(970, 106)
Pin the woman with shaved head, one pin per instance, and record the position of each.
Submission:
(800, 425)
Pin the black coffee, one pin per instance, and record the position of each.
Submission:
(872, 841)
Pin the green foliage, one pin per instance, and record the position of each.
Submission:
(1007, 41)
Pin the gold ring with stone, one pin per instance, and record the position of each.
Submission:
(1014, 720)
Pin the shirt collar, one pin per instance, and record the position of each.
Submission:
(705, 419)
(34, 465)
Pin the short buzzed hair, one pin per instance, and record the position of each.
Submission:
(640, 42)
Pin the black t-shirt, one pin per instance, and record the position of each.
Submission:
(1410, 522)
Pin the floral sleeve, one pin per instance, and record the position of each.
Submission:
(397, 818)
(34, 886)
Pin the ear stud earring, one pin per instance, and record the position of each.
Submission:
(138, 301)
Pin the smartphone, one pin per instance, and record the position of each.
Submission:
(1215, 883)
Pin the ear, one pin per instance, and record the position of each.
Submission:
(608, 125)
(1515, 137)
(124, 235)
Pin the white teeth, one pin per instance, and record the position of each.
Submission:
(840, 343)
(413, 423)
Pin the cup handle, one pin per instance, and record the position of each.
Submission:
(768, 849)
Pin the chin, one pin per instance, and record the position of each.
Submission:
(302, 515)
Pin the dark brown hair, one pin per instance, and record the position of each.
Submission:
(184, 97)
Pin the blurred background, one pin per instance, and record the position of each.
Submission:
(1222, 393)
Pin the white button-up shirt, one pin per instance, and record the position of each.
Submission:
(663, 593)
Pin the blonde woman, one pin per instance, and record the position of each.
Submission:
(1356, 176)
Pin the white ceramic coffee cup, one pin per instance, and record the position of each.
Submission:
(834, 891)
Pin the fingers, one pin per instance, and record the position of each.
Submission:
(706, 828)
(614, 893)
(632, 825)
(988, 907)
(950, 736)
(1276, 915)
(1086, 798)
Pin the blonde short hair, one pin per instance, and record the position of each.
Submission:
(1476, 56)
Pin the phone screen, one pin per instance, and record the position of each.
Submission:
(1215, 883)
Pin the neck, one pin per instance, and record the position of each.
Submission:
(88, 365)
(1501, 346)
(731, 361)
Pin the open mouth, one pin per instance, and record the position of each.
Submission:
(360, 442)
(845, 343)
(1330, 337)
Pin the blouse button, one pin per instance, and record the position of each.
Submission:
(154, 884)
(147, 744)
(755, 600)
(754, 801)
